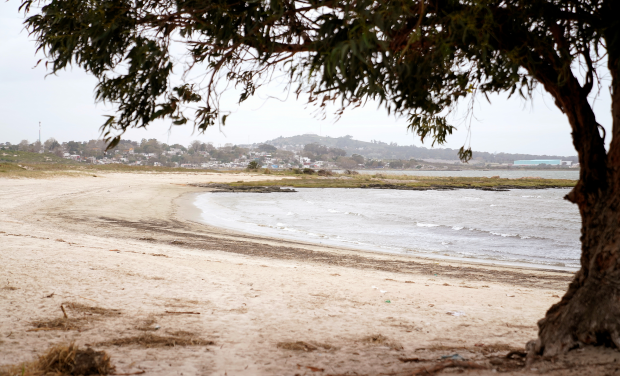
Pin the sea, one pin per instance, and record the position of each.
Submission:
(526, 227)
(570, 174)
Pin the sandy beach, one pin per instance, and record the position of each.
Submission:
(126, 256)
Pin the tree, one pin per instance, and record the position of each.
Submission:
(51, 144)
(74, 147)
(358, 158)
(267, 148)
(396, 164)
(417, 58)
(253, 165)
(194, 146)
(24, 145)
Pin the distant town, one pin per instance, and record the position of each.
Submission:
(304, 151)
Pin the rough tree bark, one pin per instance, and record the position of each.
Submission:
(589, 312)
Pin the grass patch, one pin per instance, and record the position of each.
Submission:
(63, 359)
(380, 181)
(48, 170)
(20, 164)
(149, 340)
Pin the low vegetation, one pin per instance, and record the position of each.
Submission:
(380, 181)
(22, 164)
(63, 359)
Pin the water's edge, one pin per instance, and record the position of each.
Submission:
(218, 221)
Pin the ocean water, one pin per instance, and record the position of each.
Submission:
(535, 228)
(570, 174)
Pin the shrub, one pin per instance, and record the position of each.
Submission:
(253, 165)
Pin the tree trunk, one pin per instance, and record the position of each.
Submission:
(589, 312)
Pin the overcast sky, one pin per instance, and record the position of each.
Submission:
(65, 106)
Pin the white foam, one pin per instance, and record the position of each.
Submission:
(503, 235)
(427, 224)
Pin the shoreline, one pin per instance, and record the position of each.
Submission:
(121, 242)
(188, 210)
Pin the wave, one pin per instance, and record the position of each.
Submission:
(427, 224)
(357, 214)
(503, 235)
(512, 231)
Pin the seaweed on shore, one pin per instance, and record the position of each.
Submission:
(217, 188)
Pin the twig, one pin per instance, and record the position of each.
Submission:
(183, 313)
(63, 311)
(133, 373)
(447, 364)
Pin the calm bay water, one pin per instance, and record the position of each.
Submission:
(572, 174)
(531, 227)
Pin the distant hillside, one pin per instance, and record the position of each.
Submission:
(382, 150)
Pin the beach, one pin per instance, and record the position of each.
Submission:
(132, 244)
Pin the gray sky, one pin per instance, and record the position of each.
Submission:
(65, 106)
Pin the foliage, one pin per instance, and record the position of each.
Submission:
(267, 148)
(358, 158)
(406, 181)
(253, 165)
(316, 152)
(417, 58)
(383, 150)
(30, 157)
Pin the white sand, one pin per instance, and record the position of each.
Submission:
(56, 237)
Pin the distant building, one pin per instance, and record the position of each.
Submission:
(536, 162)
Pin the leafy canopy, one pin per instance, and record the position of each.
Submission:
(418, 58)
